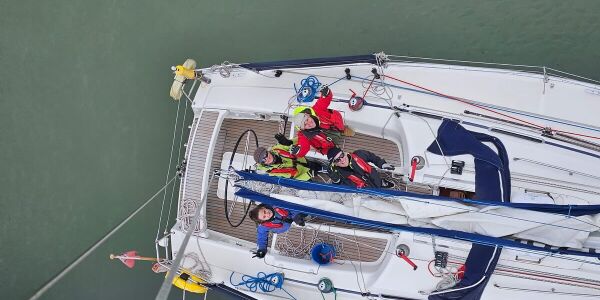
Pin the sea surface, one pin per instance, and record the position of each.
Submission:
(86, 122)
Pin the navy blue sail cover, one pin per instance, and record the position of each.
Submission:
(312, 62)
(456, 140)
(453, 139)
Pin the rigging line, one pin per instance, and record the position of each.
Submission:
(408, 198)
(336, 81)
(465, 209)
(554, 292)
(574, 75)
(463, 101)
(555, 250)
(165, 288)
(369, 87)
(178, 155)
(437, 142)
(496, 64)
(496, 107)
(489, 110)
(463, 61)
(383, 250)
(168, 172)
(382, 84)
(72, 265)
(362, 275)
(434, 94)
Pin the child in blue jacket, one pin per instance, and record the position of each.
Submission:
(272, 219)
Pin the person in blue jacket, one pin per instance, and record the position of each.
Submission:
(272, 219)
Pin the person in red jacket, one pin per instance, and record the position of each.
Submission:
(319, 127)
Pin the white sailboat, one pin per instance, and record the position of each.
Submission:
(542, 242)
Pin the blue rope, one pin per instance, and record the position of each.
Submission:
(308, 89)
(343, 77)
(263, 282)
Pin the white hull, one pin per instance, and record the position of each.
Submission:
(567, 172)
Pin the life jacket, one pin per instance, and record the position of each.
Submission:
(289, 167)
(362, 164)
(283, 153)
(360, 182)
(322, 140)
(277, 222)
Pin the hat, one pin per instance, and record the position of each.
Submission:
(299, 120)
(260, 154)
(332, 153)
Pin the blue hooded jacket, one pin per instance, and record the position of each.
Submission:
(280, 223)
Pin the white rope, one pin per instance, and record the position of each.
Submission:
(165, 288)
(163, 293)
(178, 154)
(167, 175)
(72, 265)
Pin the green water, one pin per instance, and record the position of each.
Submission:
(86, 122)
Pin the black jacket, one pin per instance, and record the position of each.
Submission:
(358, 173)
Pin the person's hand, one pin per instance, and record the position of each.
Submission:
(299, 219)
(260, 253)
(281, 139)
(387, 166)
(295, 149)
(324, 91)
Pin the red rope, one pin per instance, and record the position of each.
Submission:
(368, 87)
(487, 109)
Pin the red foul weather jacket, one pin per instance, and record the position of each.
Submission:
(330, 122)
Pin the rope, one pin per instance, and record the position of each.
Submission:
(489, 110)
(491, 64)
(165, 288)
(385, 197)
(168, 174)
(178, 154)
(189, 208)
(263, 282)
(308, 89)
(72, 265)
(432, 92)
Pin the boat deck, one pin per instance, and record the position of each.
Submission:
(357, 248)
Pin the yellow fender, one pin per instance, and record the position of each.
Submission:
(189, 282)
(182, 72)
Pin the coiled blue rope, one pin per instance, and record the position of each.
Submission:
(263, 282)
(308, 89)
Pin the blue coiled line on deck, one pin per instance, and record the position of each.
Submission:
(308, 89)
(263, 282)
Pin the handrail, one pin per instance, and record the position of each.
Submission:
(543, 70)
